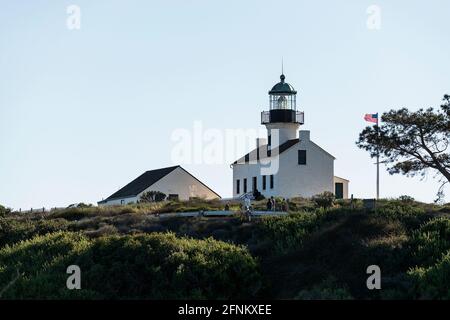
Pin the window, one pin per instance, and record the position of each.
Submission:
(302, 157)
(271, 181)
(238, 186)
(255, 184)
(282, 102)
(245, 185)
(264, 182)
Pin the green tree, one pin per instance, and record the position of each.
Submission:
(412, 142)
(324, 199)
(152, 196)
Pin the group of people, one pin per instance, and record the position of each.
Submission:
(272, 205)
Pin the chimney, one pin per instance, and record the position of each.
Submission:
(304, 135)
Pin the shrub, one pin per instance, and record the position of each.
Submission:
(103, 230)
(408, 213)
(155, 266)
(258, 195)
(42, 263)
(195, 204)
(301, 204)
(4, 211)
(14, 230)
(432, 282)
(84, 205)
(152, 196)
(324, 200)
(286, 233)
(328, 289)
(431, 241)
(406, 199)
(74, 213)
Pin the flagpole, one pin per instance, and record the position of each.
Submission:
(378, 161)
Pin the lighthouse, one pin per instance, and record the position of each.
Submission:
(288, 163)
(282, 120)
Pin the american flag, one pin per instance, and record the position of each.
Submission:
(371, 117)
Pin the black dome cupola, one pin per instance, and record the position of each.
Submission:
(282, 88)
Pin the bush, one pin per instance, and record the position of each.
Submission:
(195, 204)
(74, 213)
(433, 282)
(41, 263)
(326, 290)
(155, 266)
(258, 195)
(152, 196)
(406, 199)
(408, 213)
(431, 241)
(14, 230)
(4, 211)
(286, 233)
(324, 200)
(84, 205)
(301, 204)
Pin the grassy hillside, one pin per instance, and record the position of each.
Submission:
(313, 253)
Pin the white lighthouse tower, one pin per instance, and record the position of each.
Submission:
(282, 120)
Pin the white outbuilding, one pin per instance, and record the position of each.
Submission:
(287, 163)
(175, 182)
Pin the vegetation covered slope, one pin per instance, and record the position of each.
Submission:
(313, 253)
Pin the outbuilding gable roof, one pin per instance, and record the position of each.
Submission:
(146, 180)
(142, 182)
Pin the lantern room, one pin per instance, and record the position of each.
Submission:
(283, 105)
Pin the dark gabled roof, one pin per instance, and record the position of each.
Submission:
(147, 179)
(261, 152)
(142, 182)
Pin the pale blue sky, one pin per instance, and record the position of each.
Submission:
(84, 112)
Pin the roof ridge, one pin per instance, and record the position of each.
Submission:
(142, 182)
(165, 168)
(281, 148)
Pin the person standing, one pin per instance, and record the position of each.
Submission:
(284, 205)
(247, 203)
(269, 205)
(247, 208)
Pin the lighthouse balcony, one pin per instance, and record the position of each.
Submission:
(282, 115)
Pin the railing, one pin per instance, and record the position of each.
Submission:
(285, 116)
(247, 195)
(36, 210)
(300, 117)
(265, 117)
